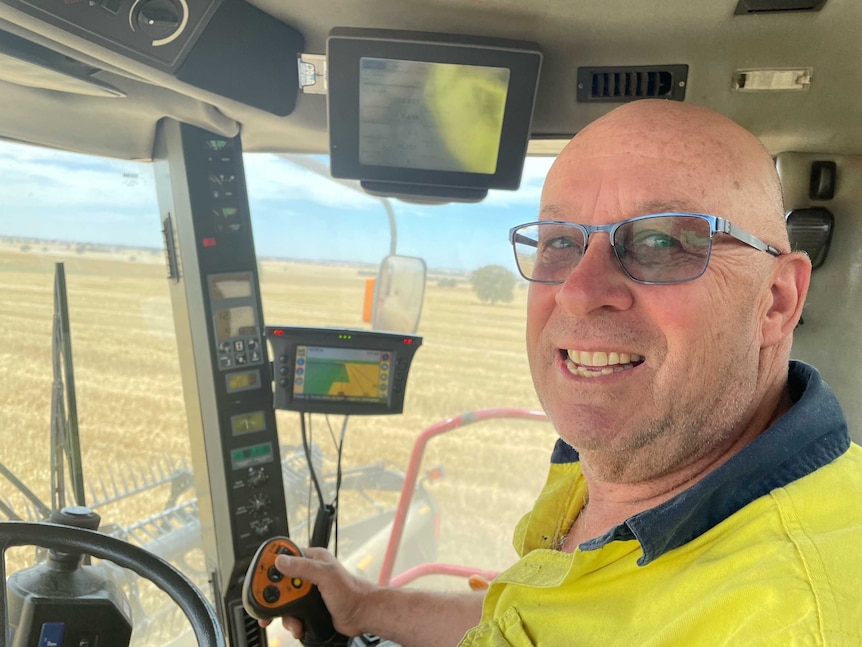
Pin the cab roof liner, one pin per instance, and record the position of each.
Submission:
(239, 77)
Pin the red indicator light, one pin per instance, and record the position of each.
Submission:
(278, 333)
(209, 242)
(408, 341)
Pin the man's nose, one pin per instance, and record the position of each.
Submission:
(597, 282)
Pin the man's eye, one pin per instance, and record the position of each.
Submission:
(656, 240)
(560, 242)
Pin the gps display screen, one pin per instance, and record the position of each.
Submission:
(342, 374)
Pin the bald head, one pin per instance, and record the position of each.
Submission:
(725, 169)
(712, 351)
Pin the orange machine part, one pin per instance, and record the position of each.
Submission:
(368, 306)
(291, 588)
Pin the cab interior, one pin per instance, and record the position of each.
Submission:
(102, 77)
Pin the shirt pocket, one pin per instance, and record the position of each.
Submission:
(507, 631)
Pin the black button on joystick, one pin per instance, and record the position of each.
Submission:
(274, 574)
(271, 594)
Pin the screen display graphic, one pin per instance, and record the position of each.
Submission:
(235, 322)
(232, 286)
(245, 457)
(436, 116)
(359, 375)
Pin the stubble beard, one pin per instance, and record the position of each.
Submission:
(695, 423)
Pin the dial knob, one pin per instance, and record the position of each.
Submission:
(259, 504)
(262, 528)
(257, 477)
(158, 19)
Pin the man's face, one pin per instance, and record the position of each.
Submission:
(682, 359)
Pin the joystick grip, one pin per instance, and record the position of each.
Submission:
(268, 593)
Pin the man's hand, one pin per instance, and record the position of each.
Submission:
(357, 606)
(344, 594)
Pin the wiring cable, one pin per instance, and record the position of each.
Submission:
(327, 514)
(339, 446)
(307, 447)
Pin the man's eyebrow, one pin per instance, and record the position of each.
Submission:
(647, 207)
(553, 211)
(664, 206)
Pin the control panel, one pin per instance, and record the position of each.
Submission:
(237, 329)
(243, 383)
(227, 380)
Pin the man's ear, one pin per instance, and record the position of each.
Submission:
(790, 279)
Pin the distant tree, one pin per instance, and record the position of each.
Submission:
(493, 283)
(447, 282)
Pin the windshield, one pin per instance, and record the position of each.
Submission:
(318, 244)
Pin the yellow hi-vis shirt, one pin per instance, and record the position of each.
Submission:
(765, 551)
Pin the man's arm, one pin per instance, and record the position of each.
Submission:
(406, 616)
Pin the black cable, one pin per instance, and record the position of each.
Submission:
(327, 515)
(308, 524)
(307, 448)
(339, 446)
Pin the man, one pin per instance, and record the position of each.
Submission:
(701, 493)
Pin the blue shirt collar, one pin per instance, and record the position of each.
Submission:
(812, 434)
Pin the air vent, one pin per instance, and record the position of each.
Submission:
(619, 84)
(748, 7)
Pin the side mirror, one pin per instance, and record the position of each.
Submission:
(399, 291)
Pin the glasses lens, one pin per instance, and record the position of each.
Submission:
(664, 249)
(547, 252)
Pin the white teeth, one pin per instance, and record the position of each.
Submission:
(594, 364)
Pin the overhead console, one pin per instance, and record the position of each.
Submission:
(227, 47)
(429, 117)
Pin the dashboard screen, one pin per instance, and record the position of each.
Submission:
(235, 322)
(232, 286)
(435, 116)
(342, 374)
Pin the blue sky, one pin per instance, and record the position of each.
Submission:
(295, 213)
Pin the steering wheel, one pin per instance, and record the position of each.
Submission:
(188, 597)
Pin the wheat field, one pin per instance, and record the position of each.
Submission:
(130, 401)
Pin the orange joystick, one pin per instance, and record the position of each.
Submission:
(268, 593)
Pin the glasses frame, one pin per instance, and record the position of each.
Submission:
(716, 226)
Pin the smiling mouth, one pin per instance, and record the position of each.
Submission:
(596, 364)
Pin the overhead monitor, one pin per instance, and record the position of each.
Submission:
(328, 370)
(433, 115)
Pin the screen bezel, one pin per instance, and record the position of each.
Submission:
(345, 49)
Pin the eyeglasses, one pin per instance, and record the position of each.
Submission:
(661, 248)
